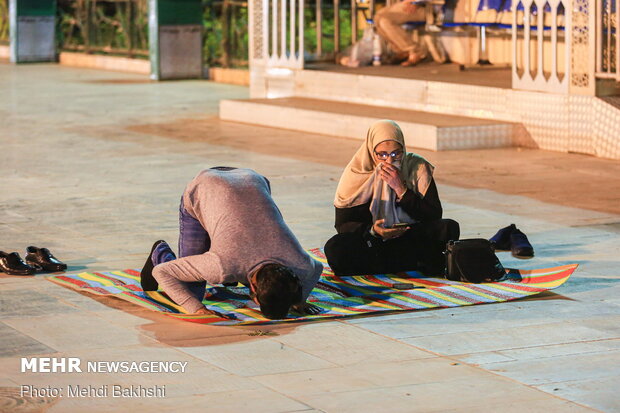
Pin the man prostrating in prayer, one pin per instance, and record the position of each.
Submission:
(230, 230)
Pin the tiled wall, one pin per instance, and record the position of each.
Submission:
(606, 129)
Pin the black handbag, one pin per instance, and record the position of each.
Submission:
(472, 260)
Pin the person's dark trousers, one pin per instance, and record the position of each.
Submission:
(193, 240)
(420, 248)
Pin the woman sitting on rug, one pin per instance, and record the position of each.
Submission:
(388, 213)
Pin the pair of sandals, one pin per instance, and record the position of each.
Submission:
(37, 259)
(512, 239)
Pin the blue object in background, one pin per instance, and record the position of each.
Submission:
(491, 5)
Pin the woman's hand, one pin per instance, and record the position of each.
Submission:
(391, 175)
(387, 233)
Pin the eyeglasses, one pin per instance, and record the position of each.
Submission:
(397, 154)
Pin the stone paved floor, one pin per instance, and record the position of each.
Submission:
(92, 166)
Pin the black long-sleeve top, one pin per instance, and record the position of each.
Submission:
(359, 218)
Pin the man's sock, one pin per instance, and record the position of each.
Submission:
(160, 252)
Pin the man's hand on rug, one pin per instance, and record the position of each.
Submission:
(306, 309)
(205, 311)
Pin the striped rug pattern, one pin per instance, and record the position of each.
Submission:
(336, 296)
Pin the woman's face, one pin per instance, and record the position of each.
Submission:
(389, 152)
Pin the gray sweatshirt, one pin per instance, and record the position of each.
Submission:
(246, 230)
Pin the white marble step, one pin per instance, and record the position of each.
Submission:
(350, 120)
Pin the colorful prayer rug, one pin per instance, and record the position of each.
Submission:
(336, 296)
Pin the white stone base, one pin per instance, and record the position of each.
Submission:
(554, 121)
(231, 76)
(91, 61)
(557, 122)
(421, 129)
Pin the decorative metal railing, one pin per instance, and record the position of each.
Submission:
(563, 46)
(539, 44)
(120, 27)
(226, 33)
(4, 21)
(277, 33)
(332, 26)
(227, 29)
(287, 33)
(117, 27)
(607, 40)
